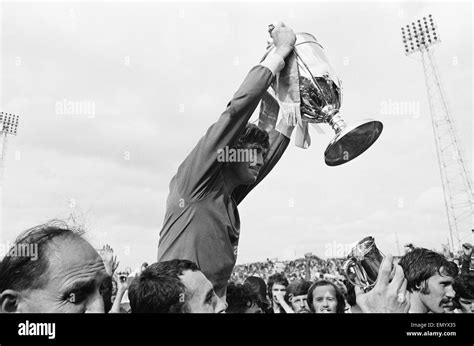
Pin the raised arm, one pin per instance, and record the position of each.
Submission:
(200, 166)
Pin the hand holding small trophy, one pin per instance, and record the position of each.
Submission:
(362, 265)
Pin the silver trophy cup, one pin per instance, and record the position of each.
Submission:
(362, 265)
(321, 97)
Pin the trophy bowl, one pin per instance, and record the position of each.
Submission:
(320, 100)
(362, 265)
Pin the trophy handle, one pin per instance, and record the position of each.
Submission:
(358, 277)
(349, 265)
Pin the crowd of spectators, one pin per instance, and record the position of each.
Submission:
(66, 274)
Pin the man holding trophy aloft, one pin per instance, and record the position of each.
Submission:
(202, 220)
(297, 86)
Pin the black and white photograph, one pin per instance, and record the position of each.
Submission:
(160, 159)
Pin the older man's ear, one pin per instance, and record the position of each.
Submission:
(9, 301)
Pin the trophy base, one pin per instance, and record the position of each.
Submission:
(351, 142)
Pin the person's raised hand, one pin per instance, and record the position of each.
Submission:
(386, 296)
(283, 38)
(110, 261)
(280, 298)
(123, 280)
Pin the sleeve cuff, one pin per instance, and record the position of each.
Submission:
(274, 63)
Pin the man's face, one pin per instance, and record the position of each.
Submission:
(299, 304)
(200, 295)
(441, 293)
(278, 289)
(250, 162)
(467, 305)
(76, 280)
(324, 299)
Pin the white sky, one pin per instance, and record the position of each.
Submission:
(159, 74)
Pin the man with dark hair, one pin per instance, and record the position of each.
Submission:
(259, 287)
(66, 275)
(464, 295)
(430, 279)
(277, 284)
(242, 300)
(325, 297)
(202, 221)
(176, 286)
(296, 296)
